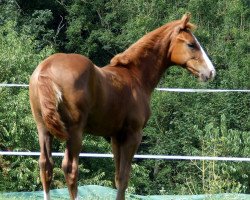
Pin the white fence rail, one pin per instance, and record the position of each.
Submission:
(161, 157)
(198, 90)
(13, 85)
(158, 89)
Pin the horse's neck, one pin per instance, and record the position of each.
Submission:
(147, 59)
(151, 64)
(148, 72)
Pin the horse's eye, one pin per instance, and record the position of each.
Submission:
(191, 45)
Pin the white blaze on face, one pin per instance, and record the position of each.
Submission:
(206, 59)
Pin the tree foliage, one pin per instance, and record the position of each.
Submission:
(202, 124)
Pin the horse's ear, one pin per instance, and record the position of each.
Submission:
(184, 20)
(183, 23)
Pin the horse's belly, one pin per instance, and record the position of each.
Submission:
(103, 127)
(100, 131)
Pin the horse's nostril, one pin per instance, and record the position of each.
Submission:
(212, 74)
(203, 78)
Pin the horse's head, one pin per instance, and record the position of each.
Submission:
(186, 51)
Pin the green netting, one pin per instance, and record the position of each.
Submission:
(94, 192)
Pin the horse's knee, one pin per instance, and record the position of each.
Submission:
(71, 171)
(46, 167)
(42, 162)
(65, 166)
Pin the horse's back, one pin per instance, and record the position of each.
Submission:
(66, 65)
(62, 66)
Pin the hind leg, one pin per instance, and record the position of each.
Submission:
(45, 159)
(70, 161)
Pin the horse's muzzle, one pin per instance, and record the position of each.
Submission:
(207, 76)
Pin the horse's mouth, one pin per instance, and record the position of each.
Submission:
(193, 71)
(202, 76)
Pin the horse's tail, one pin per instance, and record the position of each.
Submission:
(50, 97)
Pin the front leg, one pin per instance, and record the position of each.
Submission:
(124, 149)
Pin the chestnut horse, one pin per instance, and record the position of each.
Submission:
(70, 96)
